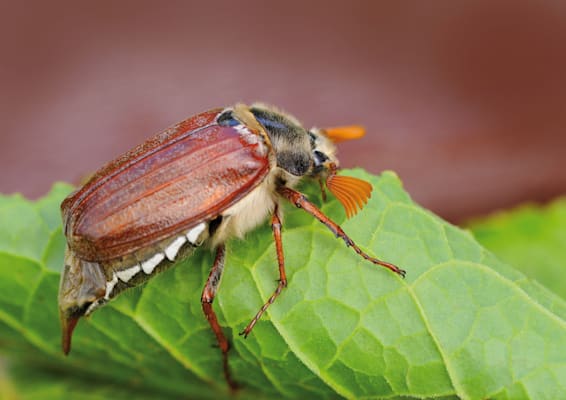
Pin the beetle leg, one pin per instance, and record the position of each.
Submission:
(300, 201)
(322, 189)
(208, 294)
(276, 227)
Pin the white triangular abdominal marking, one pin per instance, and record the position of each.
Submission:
(172, 250)
(127, 274)
(110, 286)
(149, 265)
(94, 306)
(194, 233)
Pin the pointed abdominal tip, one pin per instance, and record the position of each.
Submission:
(67, 327)
(352, 192)
(343, 133)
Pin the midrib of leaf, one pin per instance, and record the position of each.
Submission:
(459, 390)
(509, 283)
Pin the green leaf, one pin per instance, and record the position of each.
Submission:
(532, 239)
(461, 325)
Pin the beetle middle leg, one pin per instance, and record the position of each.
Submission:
(208, 294)
(276, 227)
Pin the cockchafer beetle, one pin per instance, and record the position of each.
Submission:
(209, 178)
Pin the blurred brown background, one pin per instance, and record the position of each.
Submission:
(465, 100)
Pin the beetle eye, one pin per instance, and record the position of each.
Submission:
(319, 157)
(227, 119)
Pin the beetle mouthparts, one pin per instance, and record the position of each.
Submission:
(67, 326)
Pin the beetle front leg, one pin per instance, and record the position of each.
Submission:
(208, 294)
(276, 227)
(300, 201)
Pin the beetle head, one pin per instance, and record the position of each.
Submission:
(302, 152)
(352, 192)
(82, 287)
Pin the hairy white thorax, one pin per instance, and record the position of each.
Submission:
(253, 209)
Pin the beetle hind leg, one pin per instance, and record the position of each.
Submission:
(276, 227)
(208, 294)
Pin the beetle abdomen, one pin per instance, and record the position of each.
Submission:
(136, 268)
(163, 192)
